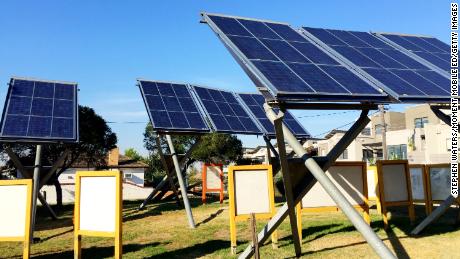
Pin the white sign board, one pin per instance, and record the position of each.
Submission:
(416, 180)
(440, 183)
(371, 186)
(98, 203)
(348, 179)
(395, 182)
(251, 192)
(13, 210)
(213, 179)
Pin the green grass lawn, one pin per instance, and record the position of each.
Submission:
(161, 231)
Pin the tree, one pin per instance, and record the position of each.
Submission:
(218, 147)
(96, 139)
(133, 154)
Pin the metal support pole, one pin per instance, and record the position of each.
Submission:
(180, 179)
(434, 215)
(165, 166)
(287, 182)
(154, 191)
(36, 188)
(359, 223)
(271, 147)
(384, 131)
(55, 167)
(441, 115)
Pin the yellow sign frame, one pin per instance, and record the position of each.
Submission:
(232, 204)
(26, 238)
(117, 235)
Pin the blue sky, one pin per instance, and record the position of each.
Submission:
(106, 45)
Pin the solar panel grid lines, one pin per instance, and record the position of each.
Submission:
(172, 107)
(40, 111)
(254, 103)
(397, 73)
(284, 61)
(225, 112)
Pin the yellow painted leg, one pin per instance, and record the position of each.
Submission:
(26, 251)
(366, 215)
(299, 219)
(232, 235)
(77, 247)
(275, 239)
(411, 213)
(385, 217)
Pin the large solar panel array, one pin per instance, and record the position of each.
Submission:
(255, 103)
(333, 65)
(38, 110)
(428, 48)
(171, 107)
(289, 64)
(403, 75)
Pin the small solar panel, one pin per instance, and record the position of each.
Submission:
(171, 107)
(402, 76)
(43, 111)
(225, 112)
(255, 103)
(289, 65)
(428, 48)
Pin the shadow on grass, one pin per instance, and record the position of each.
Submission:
(211, 217)
(98, 252)
(195, 251)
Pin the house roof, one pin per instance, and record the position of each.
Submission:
(123, 162)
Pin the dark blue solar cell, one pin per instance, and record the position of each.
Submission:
(258, 111)
(181, 90)
(203, 93)
(229, 97)
(313, 53)
(229, 26)
(266, 123)
(354, 56)
(423, 44)
(39, 126)
(165, 89)
(436, 78)
(325, 36)
(403, 59)
(348, 38)
(194, 120)
(235, 124)
(380, 58)
(178, 120)
(161, 119)
(19, 105)
(188, 105)
(286, 32)
(393, 82)
(249, 124)
(225, 109)
(63, 108)
(295, 127)
(171, 104)
(149, 88)
(419, 82)
(42, 107)
(154, 102)
(64, 91)
(220, 122)
(44, 89)
(22, 87)
(317, 79)
(15, 125)
(437, 43)
(238, 110)
(259, 29)
(62, 128)
(443, 64)
(248, 99)
(281, 76)
(216, 95)
(403, 42)
(252, 48)
(284, 51)
(370, 39)
(351, 81)
(211, 107)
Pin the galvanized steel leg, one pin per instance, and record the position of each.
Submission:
(434, 215)
(36, 188)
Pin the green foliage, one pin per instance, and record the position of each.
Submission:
(218, 147)
(133, 154)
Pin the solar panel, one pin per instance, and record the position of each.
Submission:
(226, 114)
(255, 102)
(428, 48)
(290, 66)
(402, 76)
(40, 111)
(171, 107)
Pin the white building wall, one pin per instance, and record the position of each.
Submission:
(133, 175)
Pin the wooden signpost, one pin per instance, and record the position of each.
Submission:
(351, 180)
(15, 212)
(213, 180)
(394, 187)
(250, 190)
(98, 207)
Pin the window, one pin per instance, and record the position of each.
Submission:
(344, 155)
(397, 152)
(69, 177)
(378, 129)
(366, 131)
(379, 153)
(367, 155)
(420, 122)
(128, 175)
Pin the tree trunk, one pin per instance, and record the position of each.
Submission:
(58, 187)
